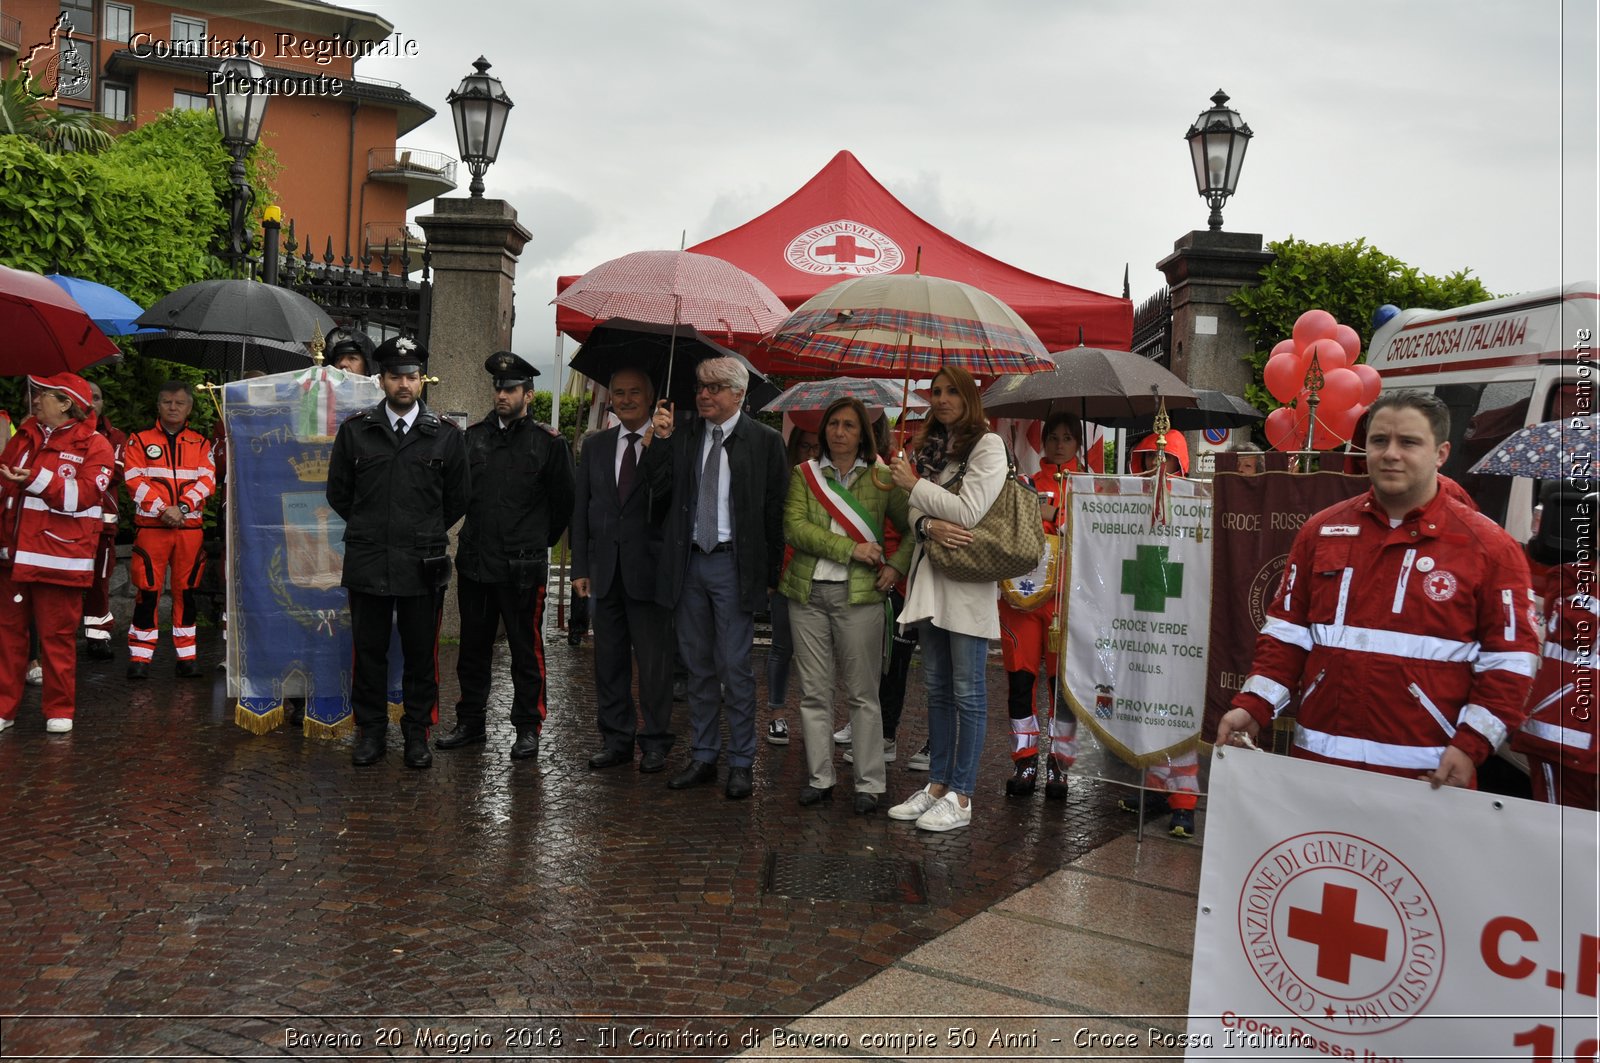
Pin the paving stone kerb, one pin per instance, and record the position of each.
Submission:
(161, 861)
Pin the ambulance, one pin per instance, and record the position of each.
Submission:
(1498, 365)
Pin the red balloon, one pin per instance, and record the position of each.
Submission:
(1329, 355)
(1371, 382)
(1281, 346)
(1324, 438)
(1341, 389)
(1311, 326)
(1280, 431)
(1343, 423)
(1350, 340)
(1283, 377)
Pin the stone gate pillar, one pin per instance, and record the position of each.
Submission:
(474, 244)
(1208, 336)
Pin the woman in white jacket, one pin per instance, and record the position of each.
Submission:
(955, 620)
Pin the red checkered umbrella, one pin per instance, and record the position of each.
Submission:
(46, 331)
(676, 288)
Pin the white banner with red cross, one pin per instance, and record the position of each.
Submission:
(1138, 607)
(1352, 915)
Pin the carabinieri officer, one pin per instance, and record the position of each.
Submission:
(522, 493)
(398, 477)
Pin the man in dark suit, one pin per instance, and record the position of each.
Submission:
(398, 477)
(727, 478)
(616, 555)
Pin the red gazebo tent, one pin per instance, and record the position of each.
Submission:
(843, 223)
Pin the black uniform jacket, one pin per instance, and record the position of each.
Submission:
(399, 498)
(611, 535)
(521, 500)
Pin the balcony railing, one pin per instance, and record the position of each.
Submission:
(10, 33)
(395, 234)
(425, 174)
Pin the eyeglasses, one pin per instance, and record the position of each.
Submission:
(715, 389)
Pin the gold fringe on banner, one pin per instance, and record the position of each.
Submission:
(258, 723)
(396, 712)
(317, 729)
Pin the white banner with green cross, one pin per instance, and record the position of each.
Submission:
(1138, 609)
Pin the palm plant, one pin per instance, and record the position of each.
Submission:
(57, 130)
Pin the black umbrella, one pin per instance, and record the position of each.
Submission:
(240, 308)
(1098, 385)
(222, 352)
(1217, 409)
(622, 344)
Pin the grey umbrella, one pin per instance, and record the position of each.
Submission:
(1217, 409)
(1093, 383)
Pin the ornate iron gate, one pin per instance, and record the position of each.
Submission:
(1152, 328)
(375, 293)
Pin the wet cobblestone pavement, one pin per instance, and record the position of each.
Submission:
(160, 861)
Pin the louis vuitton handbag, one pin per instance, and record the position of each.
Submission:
(1008, 541)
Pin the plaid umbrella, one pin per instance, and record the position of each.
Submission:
(676, 288)
(817, 395)
(1096, 384)
(906, 323)
(45, 330)
(1552, 450)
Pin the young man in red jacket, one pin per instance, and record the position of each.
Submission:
(170, 475)
(1404, 620)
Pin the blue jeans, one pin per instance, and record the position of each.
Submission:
(953, 668)
(782, 651)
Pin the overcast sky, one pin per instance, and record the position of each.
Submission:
(1048, 133)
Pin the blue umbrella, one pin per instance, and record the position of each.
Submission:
(107, 307)
(1552, 450)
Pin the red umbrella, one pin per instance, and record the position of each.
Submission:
(677, 288)
(45, 329)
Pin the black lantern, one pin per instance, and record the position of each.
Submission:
(240, 100)
(480, 106)
(1217, 141)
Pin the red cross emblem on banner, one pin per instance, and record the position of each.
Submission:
(1336, 933)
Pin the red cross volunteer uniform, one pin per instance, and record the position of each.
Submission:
(162, 471)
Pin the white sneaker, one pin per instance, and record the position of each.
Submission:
(58, 725)
(914, 806)
(889, 751)
(35, 676)
(919, 760)
(888, 754)
(947, 814)
(4, 723)
(841, 737)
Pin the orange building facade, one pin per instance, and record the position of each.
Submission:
(343, 172)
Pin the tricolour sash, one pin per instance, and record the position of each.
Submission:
(841, 505)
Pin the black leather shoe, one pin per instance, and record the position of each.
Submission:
(187, 670)
(739, 783)
(138, 670)
(417, 753)
(574, 637)
(369, 748)
(866, 804)
(812, 795)
(698, 773)
(609, 758)
(294, 711)
(653, 761)
(462, 734)
(527, 744)
(98, 649)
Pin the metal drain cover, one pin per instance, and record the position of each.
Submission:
(845, 878)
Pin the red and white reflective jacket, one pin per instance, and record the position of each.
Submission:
(118, 439)
(1401, 641)
(1561, 725)
(50, 526)
(162, 471)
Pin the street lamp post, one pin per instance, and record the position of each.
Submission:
(1217, 142)
(240, 103)
(480, 106)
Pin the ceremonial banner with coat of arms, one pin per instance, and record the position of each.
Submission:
(1138, 604)
(1345, 914)
(289, 621)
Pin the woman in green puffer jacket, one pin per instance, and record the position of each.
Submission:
(836, 584)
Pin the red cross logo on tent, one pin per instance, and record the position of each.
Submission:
(843, 247)
(1337, 934)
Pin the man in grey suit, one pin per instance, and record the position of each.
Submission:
(727, 478)
(616, 555)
